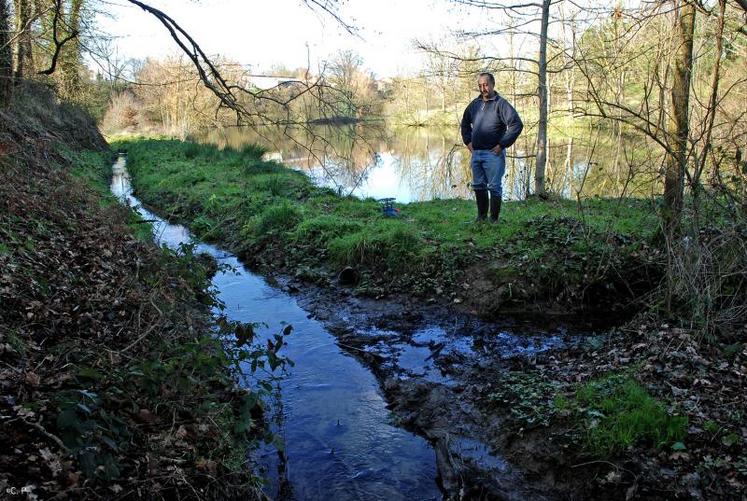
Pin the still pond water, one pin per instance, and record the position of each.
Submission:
(420, 163)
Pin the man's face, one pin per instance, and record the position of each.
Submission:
(486, 88)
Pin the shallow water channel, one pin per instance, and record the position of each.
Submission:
(339, 443)
(340, 440)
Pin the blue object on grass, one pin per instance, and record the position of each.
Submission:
(388, 208)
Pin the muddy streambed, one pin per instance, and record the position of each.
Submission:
(379, 403)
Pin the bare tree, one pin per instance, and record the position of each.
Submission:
(679, 126)
(251, 107)
(541, 161)
(24, 59)
(712, 106)
(65, 29)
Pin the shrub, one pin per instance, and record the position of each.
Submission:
(705, 278)
(123, 114)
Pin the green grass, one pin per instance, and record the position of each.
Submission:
(617, 412)
(266, 210)
(387, 242)
(94, 167)
(276, 219)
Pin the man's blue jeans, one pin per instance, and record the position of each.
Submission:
(488, 170)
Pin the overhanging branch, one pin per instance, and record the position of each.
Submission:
(58, 44)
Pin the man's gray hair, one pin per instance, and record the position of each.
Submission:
(490, 76)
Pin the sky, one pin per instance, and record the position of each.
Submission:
(262, 33)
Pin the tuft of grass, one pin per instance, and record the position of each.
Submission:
(253, 151)
(275, 184)
(319, 230)
(16, 342)
(617, 412)
(393, 244)
(278, 218)
(191, 150)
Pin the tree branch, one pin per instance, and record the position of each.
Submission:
(742, 4)
(326, 6)
(58, 44)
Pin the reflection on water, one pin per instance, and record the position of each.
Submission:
(417, 164)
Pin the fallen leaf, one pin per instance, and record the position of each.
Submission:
(146, 416)
(32, 379)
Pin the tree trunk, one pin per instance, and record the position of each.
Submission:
(6, 55)
(674, 176)
(539, 170)
(24, 54)
(68, 76)
(713, 101)
(568, 174)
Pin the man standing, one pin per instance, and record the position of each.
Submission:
(489, 126)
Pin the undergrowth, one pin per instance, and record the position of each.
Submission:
(606, 415)
(122, 387)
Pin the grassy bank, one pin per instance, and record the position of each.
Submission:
(549, 256)
(114, 383)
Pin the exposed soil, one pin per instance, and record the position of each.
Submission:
(491, 284)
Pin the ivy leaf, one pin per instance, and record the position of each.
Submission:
(678, 446)
(730, 439)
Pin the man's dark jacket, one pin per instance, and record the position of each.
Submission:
(486, 124)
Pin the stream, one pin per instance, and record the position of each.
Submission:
(372, 407)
